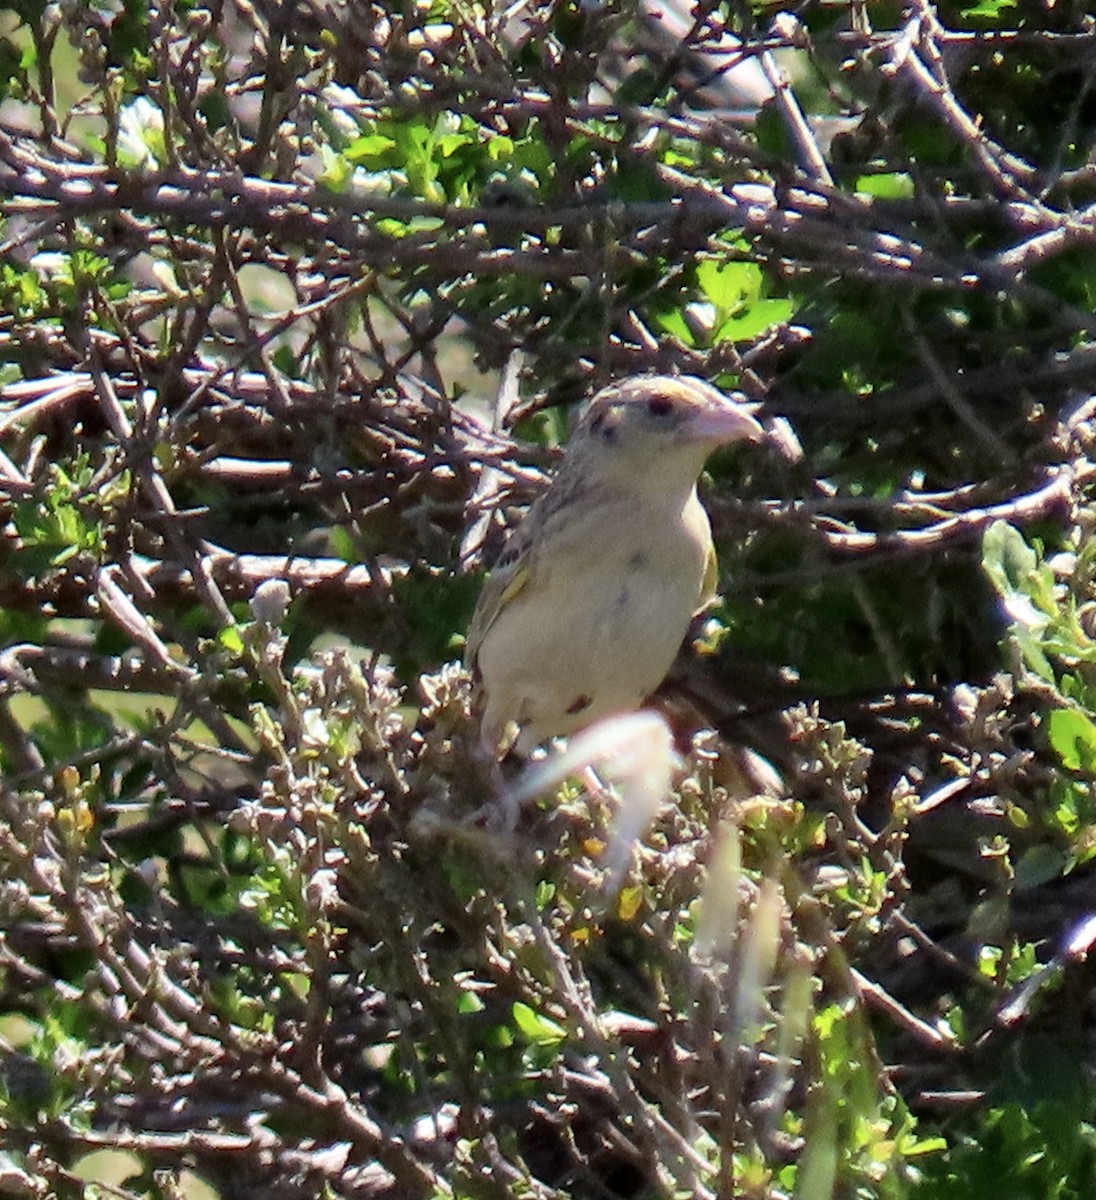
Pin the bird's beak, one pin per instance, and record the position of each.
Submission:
(730, 422)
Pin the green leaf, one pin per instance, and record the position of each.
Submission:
(675, 324)
(729, 284)
(500, 148)
(449, 143)
(536, 1028)
(990, 10)
(1072, 733)
(370, 150)
(894, 185)
(1006, 557)
(755, 320)
(336, 170)
(1038, 865)
(230, 639)
(1013, 567)
(469, 1003)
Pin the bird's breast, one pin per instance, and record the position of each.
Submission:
(646, 573)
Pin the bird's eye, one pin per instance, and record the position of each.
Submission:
(660, 406)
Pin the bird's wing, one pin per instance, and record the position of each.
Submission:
(510, 574)
(711, 578)
(521, 554)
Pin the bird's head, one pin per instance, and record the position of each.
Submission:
(661, 424)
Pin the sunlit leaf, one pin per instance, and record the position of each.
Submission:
(535, 1027)
(1072, 733)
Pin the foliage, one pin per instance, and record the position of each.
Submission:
(264, 272)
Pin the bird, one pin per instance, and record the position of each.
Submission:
(584, 610)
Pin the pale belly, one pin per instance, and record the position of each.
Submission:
(573, 650)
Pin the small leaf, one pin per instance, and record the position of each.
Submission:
(449, 143)
(336, 171)
(990, 10)
(1072, 733)
(535, 1028)
(500, 148)
(894, 185)
(629, 902)
(1039, 865)
(1025, 585)
(755, 320)
(368, 149)
(1006, 558)
(230, 639)
(675, 324)
(469, 1002)
(729, 284)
